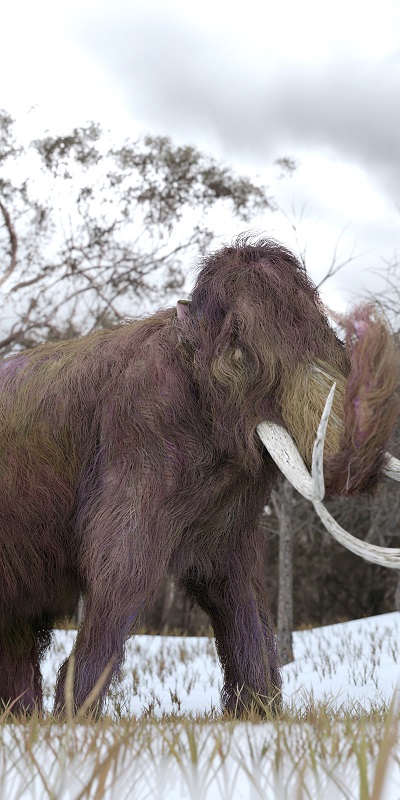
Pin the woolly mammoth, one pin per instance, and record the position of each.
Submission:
(138, 451)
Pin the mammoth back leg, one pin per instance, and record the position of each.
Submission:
(238, 608)
(23, 644)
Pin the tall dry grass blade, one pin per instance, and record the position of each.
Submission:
(388, 742)
(6, 713)
(69, 690)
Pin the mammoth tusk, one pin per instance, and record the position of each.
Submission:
(317, 463)
(392, 468)
(385, 556)
(284, 452)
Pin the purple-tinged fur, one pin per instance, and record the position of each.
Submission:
(132, 453)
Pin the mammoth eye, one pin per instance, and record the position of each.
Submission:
(237, 354)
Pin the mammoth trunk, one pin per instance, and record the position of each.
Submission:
(365, 406)
(370, 406)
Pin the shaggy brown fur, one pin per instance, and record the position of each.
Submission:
(132, 452)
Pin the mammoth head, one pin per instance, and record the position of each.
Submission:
(260, 332)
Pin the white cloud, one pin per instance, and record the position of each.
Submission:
(248, 81)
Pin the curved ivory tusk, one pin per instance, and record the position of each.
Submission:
(317, 465)
(283, 450)
(385, 556)
(392, 468)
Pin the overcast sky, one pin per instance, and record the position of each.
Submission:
(248, 82)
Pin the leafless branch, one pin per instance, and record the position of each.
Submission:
(336, 265)
(13, 243)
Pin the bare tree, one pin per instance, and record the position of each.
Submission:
(99, 232)
(282, 499)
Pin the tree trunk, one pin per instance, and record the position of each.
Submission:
(79, 611)
(282, 500)
(397, 592)
(169, 594)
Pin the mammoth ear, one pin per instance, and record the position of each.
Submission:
(229, 361)
(182, 309)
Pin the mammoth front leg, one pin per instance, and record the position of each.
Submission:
(112, 609)
(122, 577)
(98, 651)
(244, 635)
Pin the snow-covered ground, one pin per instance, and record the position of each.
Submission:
(343, 751)
(347, 664)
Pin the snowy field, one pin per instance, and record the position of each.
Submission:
(353, 663)
(162, 736)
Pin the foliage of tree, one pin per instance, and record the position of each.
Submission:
(94, 232)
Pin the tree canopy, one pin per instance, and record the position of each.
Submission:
(91, 232)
